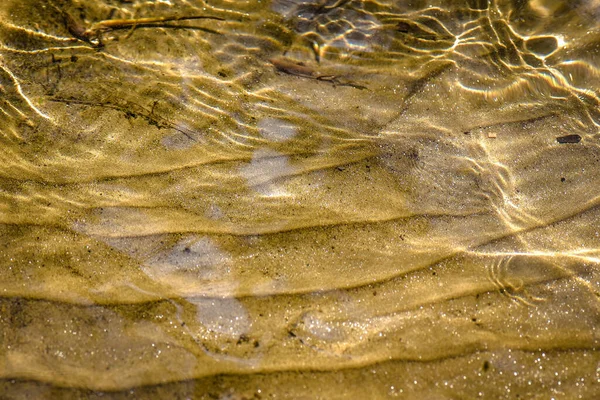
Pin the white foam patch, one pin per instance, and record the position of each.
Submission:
(276, 130)
(194, 258)
(267, 166)
(223, 316)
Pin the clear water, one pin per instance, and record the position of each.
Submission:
(299, 199)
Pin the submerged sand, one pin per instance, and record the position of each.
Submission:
(299, 199)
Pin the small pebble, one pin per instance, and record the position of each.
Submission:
(569, 139)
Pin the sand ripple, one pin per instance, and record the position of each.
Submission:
(299, 199)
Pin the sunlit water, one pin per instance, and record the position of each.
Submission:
(299, 199)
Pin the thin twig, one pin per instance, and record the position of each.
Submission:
(131, 110)
(115, 24)
(304, 71)
(92, 35)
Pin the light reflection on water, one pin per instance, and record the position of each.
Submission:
(299, 199)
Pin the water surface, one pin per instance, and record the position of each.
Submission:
(299, 199)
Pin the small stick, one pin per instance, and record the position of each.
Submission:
(293, 68)
(304, 71)
(92, 34)
(114, 24)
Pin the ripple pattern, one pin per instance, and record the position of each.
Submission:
(299, 199)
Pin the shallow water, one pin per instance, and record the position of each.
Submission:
(299, 199)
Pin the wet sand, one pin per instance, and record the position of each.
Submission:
(296, 199)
